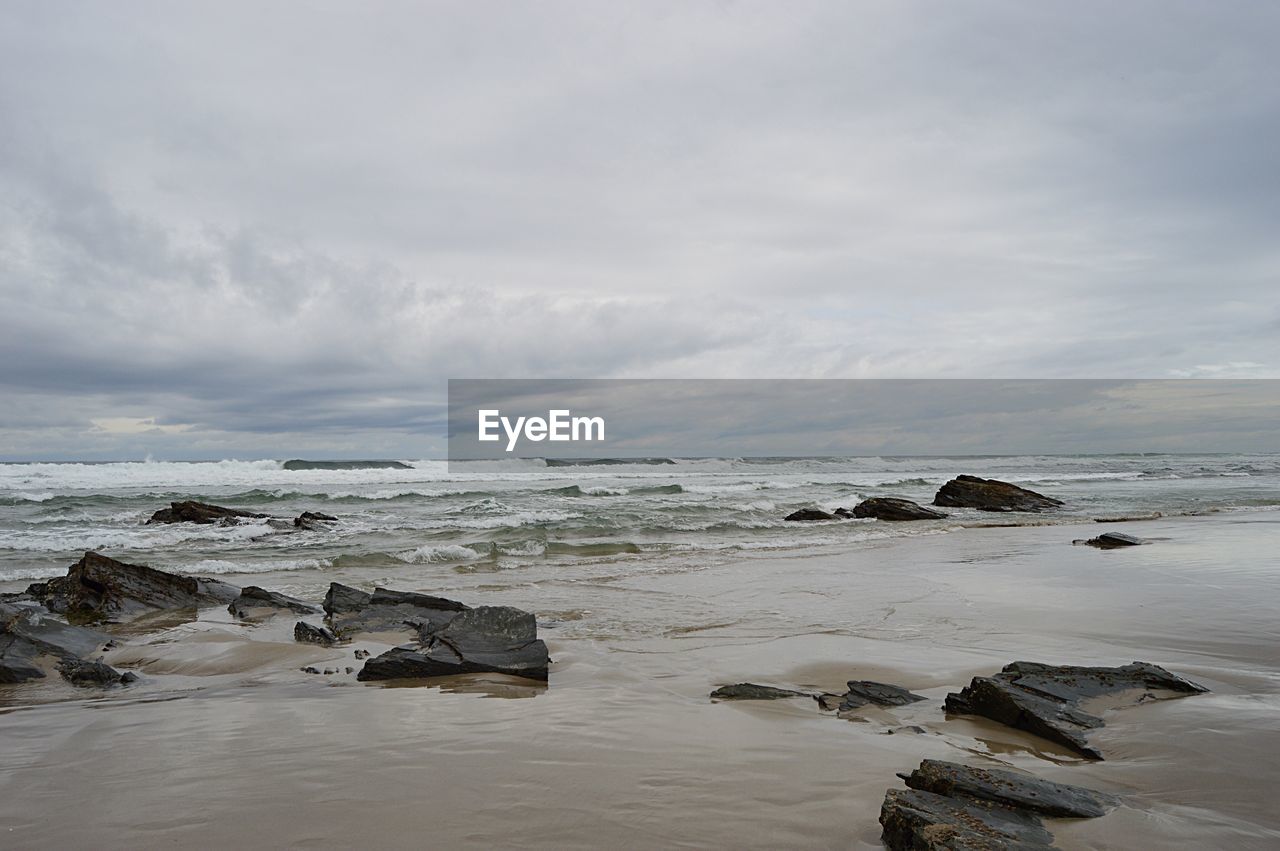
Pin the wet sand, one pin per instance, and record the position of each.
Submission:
(226, 742)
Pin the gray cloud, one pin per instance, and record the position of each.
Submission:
(283, 228)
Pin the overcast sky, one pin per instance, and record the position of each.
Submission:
(276, 229)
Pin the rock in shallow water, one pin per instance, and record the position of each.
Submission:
(991, 495)
(202, 513)
(895, 509)
(1011, 789)
(962, 808)
(1044, 699)
(751, 691)
(809, 515)
(487, 639)
(1112, 540)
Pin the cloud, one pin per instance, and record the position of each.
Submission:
(288, 227)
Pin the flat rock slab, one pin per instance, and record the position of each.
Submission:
(350, 610)
(751, 691)
(1112, 540)
(862, 692)
(962, 808)
(991, 495)
(101, 588)
(1010, 788)
(1044, 699)
(914, 820)
(487, 639)
(894, 509)
(252, 597)
(29, 635)
(202, 513)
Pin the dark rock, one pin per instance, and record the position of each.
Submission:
(312, 634)
(29, 635)
(253, 597)
(862, 692)
(299, 464)
(362, 654)
(1112, 540)
(310, 670)
(201, 512)
(893, 508)
(351, 610)
(1044, 699)
(991, 495)
(83, 672)
(349, 670)
(496, 639)
(312, 520)
(925, 821)
(1010, 788)
(216, 591)
(809, 515)
(910, 728)
(751, 691)
(1155, 515)
(101, 588)
(18, 659)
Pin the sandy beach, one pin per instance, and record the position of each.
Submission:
(226, 742)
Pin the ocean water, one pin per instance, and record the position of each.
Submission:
(500, 515)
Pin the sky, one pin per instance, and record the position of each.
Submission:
(276, 229)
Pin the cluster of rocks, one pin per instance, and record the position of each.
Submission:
(203, 513)
(960, 492)
(951, 806)
(447, 637)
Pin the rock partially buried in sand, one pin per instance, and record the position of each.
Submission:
(101, 588)
(809, 515)
(991, 495)
(29, 637)
(1011, 789)
(351, 610)
(203, 513)
(487, 639)
(862, 692)
(307, 633)
(82, 672)
(894, 508)
(1111, 541)
(953, 807)
(751, 691)
(1044, 699)
(252, 597)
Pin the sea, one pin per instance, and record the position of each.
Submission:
(504, 515)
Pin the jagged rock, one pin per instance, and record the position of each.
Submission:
(100, 588)
(313, 520)
(925, 821)
(350, 610)
(1044, 699)
(894, 508)
(862, 692)
(751, 691)
(1112, 540)
(83, 672)
(809, 515)
(1011, 789)
(252, 597)
(362, 654)
(991, 495)
(201, 512)
(496, 639)
(312, 634)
